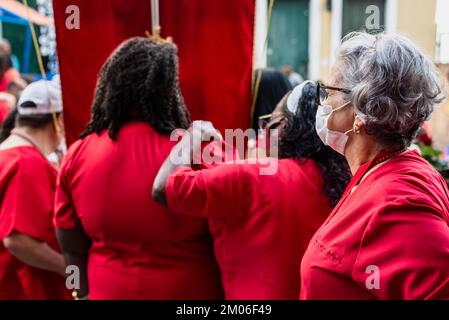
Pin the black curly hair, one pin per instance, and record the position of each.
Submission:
(139, 82)
(299, 140)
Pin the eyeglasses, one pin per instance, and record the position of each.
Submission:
(322, 95)
(270, 121)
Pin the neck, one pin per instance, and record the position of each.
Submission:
(46, 139)
(361, 151)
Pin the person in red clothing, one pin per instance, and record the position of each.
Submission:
(10, 82)
(125, 245)
(8, 74)
(261, 224)
(388, 238)
(31, 265)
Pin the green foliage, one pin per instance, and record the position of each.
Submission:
(433, 156)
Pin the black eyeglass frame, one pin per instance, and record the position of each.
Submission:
(270, 121)
(320, 86)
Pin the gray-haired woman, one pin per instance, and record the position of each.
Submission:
(388, 238)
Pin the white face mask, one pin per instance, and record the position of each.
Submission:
(334, 139)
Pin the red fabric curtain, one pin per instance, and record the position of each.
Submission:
(215, 41)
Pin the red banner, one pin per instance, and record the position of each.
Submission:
(215, 41)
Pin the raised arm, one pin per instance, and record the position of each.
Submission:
(182, 155)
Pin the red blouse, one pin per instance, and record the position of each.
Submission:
(140, 250)
(27, 188)
(261, 224)
(389, 239)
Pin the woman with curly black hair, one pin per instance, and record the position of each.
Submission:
(300, 126)
(262, 223)
(135, 248)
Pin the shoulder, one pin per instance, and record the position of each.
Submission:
(221, 176)
(410, 177)
(33, 162)
(9, 161)
(229, 171)
(409, 186)
(72, 155)
(26, 162)
(412, 164)
(75, 149)
(253, 169)
(300, 174)
(272, 168)
(405, 195)
(300, 169)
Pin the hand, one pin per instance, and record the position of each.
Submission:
(191, 144)
(183, 154)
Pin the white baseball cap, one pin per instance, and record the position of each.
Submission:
(295, 96)
(46, 95)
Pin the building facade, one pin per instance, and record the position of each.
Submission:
(306, 33)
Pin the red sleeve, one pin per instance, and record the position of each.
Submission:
(409, 245)
(28, 201)
(65, 216)
(220, 152)
(216, 192)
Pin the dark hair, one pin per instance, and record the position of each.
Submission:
(33, 121)
(299, 140)
(274, 85)
(139, 82)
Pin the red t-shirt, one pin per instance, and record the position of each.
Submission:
(261, 224)
(389, 239)
(140, 249)
(27, 188)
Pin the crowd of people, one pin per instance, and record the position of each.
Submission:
(350, 213)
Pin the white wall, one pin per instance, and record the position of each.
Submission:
(315, 39)
(336, 27)
(260, 34)
(391, 16)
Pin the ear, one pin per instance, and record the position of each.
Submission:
(284, 124)
(359, 125)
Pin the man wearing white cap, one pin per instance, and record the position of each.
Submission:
(37, 119)
(31, 266)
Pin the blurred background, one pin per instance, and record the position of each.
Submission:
(14, 27)
(304, 35)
